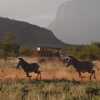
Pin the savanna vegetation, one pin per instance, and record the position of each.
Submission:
(9, 48)
(88, 52)
(49, 90)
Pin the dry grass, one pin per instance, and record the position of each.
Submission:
(14, 85)
(47, 90)
(52, 69)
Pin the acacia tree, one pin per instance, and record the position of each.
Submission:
(9, 45)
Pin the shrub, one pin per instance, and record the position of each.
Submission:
(25, 52)
(89, 52)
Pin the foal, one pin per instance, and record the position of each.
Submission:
(28, 68)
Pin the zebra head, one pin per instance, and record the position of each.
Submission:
(67, 61)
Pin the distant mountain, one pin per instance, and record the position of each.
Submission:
(28, 35)
(78, 21)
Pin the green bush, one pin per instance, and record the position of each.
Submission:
(89, 52)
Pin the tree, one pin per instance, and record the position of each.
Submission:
(9, 38)
(9, 45)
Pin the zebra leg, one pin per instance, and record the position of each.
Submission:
(38, 74)
(28, 74)
(92, 74)
(80, 74)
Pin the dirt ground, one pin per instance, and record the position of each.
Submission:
(51, 70)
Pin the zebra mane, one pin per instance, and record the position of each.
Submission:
(73, 58)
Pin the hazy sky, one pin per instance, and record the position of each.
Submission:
(39, 12)
(78, 21)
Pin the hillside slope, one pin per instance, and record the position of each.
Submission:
(28, 35)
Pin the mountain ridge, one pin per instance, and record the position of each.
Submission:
(29, 35)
